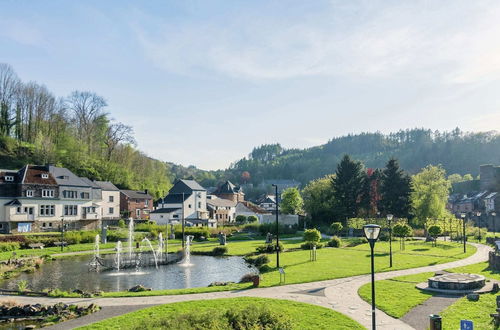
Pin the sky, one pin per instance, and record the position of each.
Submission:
(203, 82)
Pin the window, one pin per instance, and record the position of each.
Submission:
(70, 194)
(138, 213)
(189, 205)
(90, 209)
(199, 205)
(45, 176)
(30, 193)
(111, 210)
(9, 178)
(1, 225)
(48, 193)
(47, 210)
(44, 225)
(146, 202)
(111, 199)
(70, 209)
(19, 210)
(50, 224)
(85, 195)
(175, 216)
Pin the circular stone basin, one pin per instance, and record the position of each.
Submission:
(457, 281)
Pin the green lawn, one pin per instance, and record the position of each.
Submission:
(303, 316)
(397, 296)
(477, 311)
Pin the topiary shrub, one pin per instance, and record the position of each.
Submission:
(269, 248)
(265, 268)
(356, 242)
(312, 235)
(252, 219)
(336, 228)
(335, 242)
(121, 223)
(219, 250)
(258, 261)
(241, 219)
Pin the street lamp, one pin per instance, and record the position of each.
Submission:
(62, 233)
(478, 214)
(389, 221)
(371, 233)
(277, 228)
(462, 215)
(493, 214)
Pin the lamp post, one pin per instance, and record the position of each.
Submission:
(493, 214)
(478, 214)
(462, 215)
(389, 221)
(277, 228)
(371, 233)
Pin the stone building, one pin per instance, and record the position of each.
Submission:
(489, 177)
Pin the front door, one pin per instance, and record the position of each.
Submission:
(30, 211)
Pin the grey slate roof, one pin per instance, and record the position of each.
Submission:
(106, 186)
(136, 194)
(174, 199)
(90, 183)
(227, 188)
(221, 202)
(65, 177)
(166, 210)
(185, 186)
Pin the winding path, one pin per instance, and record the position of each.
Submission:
(340, 294)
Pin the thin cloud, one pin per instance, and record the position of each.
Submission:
(457, 40)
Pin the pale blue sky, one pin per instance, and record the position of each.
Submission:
(203, 82)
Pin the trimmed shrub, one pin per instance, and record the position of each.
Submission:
(219, 250)
(258, 261)
(251, 228)
(248, 277)
(310, 245)
(241, 219)
(13, 238)
(312, 235)
(121, 223)
(271, 228)
(269, 248)
(252, 219)
(356, 241)
(197, 232)
(336, 228)
(335, 242)
(9, 246)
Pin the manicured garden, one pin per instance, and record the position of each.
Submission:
(399, 295)
(234, 313)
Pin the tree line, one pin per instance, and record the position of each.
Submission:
(73, 131)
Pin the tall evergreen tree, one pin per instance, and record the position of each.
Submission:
(348, 185)
(371, 192)
(395, 190)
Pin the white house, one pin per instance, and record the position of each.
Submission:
(110, 201)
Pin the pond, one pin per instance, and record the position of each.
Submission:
(73, 273)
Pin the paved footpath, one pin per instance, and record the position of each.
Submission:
(340, 294)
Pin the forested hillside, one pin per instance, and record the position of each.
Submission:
(457, 151)
(76, 132)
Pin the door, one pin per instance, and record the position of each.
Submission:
(30, 211)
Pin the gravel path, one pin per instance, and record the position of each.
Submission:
(340, 294)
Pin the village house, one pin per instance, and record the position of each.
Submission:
(135, 204)
(230, 192)
(110, 202)
(222, 210)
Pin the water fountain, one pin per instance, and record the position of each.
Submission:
(118, 254)
(148, 242)
(186, 262)
(96, 246)
(94, 263)
(130, 236)
(159, 252)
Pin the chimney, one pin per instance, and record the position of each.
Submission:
(146, 191)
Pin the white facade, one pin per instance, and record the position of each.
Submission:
(110, 204)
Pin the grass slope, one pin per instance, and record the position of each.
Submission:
(304, 316)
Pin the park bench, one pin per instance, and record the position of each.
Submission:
(36, 245)
(60, 243)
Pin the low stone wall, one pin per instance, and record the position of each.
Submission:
(284, 219)
(494, 260)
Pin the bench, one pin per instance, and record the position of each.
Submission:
(60, 243)
(36, 245)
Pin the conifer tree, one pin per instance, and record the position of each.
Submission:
(395, 190)
(348, 185)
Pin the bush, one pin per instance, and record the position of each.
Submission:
(335, 242)
(13, 238)
(312, 235)
(269, 248)
(265, 268)
(248, 277)
(252, 219)
(121, 223)
(9, 246)
(249, 317)
(419, 232)
(197, 232)
(258, 261)
(117, 235)
(336, 228)
(219, 250)
(356, 241)
(402, 230)
(310, 245)
(271, 228)
(241, 219)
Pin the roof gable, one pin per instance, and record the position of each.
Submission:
(186, 187)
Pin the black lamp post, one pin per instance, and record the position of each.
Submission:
(493, 214)
(478, 214)
(277, 228)
(371, 233)
(389, 221)
(462, 215)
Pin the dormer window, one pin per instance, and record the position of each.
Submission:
(9, 178)
(45, 176)
(47, 193)
(30, 193)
